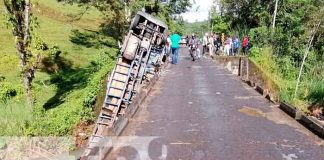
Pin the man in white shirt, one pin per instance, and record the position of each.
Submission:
(205, 44)
(211, 45)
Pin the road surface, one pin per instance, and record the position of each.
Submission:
(199, 111)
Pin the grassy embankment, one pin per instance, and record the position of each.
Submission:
(311, 89)
(64, 89)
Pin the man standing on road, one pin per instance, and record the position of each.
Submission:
(227, 47)
(236, 42)
(205, 44)
(211, 45)
(175, 39)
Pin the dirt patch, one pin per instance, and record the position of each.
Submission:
(81, 134)
(253, 112)
(317, 111)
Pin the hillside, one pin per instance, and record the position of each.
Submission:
(64, 89)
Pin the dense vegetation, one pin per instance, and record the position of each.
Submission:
(199, 28)
(77, 45)
(280, 50)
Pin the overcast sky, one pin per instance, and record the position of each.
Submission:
(198, 15)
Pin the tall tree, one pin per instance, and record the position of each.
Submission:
(19, 16)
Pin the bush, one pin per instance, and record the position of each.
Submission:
(54, 52)
(7, 91)
(2, 78)
(286, 68)
(275, 69)
(316, 92)
(263, 57)
(40, 44)
(259, 36)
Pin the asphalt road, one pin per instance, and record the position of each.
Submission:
(199, 111)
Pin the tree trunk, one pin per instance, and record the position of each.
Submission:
(19, 12)
(28, 77)
(309, 45)
(28, 74)
(26, 23)
(275, 15)
(274, 20)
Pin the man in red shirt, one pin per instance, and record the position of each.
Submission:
(245, 45)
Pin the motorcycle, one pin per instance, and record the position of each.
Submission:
(193, 49)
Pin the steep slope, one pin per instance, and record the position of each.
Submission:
(64, 89)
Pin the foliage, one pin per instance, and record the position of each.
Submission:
(219, 25)
(21, 28)
(92, 39)
(294, 22)
(77, 105)
(316, 94)
(54, 52)
(286, 68)
(259, 36)
(199, 28)
(8, 91)
(263, 57)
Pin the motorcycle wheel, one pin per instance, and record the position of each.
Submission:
(194, 55)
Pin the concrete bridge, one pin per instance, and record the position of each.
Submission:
(200, 111)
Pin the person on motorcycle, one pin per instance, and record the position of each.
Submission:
(193, 47)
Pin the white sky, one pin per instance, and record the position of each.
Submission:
(198, 15)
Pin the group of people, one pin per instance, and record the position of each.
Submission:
(213, 44)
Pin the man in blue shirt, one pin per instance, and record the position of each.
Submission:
(175, 39)
(236, 45)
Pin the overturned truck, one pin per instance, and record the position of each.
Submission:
(144, 39)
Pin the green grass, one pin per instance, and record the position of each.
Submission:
(60, 35)
(316, 93)
(283, 73)
(72, 107)
(68, 9)
(64, 97)
(69, 13)
(14, 117)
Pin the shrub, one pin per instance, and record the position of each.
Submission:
(40, 44)
(54, 52)
(259, 36)
(316, 92)
(275, 69)
(263, 57)
(7, 91)
(2, 78)
(286, 68)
